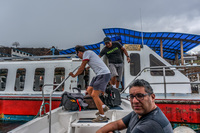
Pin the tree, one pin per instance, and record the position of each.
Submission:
(16, 44)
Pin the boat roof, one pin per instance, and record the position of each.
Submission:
(170, 40)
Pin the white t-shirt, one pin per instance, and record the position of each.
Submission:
(95, 62)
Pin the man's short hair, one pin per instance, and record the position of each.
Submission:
(80, 48)
(142, 83)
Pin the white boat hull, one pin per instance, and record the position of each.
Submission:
(68, 121)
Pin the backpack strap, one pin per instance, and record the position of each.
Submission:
(82, 103)
(78, 104)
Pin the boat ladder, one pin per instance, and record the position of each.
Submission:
(50, 98)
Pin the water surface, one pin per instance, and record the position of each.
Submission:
(6, 126)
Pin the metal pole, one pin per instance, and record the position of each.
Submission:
(164, 80)
(141, 28)
(50, 113)
(50, 101)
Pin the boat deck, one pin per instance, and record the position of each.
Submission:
(63, 121)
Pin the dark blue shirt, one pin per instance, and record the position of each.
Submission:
(153, 122)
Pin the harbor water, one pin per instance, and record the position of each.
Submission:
(6, 126)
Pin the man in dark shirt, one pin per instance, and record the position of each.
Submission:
(146, 116)
(113, 52)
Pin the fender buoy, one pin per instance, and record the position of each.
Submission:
(183, 129)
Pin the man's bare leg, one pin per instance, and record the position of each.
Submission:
(117, 84)
(113, 80)
(97, 100)
(90, 90)
(122, 86)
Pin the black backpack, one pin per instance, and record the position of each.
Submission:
(113, 97)
(73, 101)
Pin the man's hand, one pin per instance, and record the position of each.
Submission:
(128, 59)
(72, 75)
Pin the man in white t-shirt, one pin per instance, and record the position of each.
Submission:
(99, 82)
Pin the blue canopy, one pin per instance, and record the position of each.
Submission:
(94, 47)
(170, 40)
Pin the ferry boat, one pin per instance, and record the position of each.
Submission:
(21, 84)
(27, 87)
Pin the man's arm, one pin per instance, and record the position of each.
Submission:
(110, 127)
(126, 53)
(102, 52)
(47, 52)
(80, 70)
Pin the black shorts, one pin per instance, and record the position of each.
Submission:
(100, 82)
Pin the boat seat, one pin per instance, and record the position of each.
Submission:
(85, 122)
(81, 121)
(84, 125)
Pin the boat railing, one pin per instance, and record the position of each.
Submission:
(50, 97)
(43, 99)
(164, 68)
(37, 57)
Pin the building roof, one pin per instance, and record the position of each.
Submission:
(170, 40)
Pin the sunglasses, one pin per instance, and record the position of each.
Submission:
(138, 96)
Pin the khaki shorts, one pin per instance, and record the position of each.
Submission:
(116, 70)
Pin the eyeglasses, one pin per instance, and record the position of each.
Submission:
(138, 96)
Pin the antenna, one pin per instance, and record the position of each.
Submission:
(141, 28)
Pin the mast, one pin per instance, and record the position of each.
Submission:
(141, 28)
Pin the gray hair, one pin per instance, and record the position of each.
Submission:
(142, 83)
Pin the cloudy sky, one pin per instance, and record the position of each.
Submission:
(66, 23)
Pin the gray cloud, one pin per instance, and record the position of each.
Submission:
(66, 23)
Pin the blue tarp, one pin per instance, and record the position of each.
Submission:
(170, 40)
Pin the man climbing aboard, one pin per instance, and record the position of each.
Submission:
(98, 83)
(112, 50)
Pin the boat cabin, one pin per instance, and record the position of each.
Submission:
(28, 77)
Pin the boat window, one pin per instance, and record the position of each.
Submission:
(38, 79)
(3, 78)
(20, 79)
(134, 64)
(59, 76)
(159, 72)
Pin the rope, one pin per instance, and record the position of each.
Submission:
(43, 109)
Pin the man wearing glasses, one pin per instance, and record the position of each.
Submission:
(98, 83)
(146, 117)
(113, 52)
